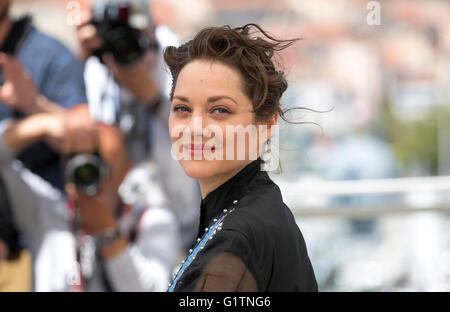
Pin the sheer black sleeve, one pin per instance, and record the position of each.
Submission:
(225, 264)
(226, 272)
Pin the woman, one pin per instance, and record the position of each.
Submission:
(248, 239)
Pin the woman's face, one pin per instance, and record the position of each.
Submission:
(211, 122)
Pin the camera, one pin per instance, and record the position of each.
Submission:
(86, 171)
(120, 25)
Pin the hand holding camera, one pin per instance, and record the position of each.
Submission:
(72, 131)
(92, 182)
(97, 211)
(138, 79)
(89, 40)
(121, 35)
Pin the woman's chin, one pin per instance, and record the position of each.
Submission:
(199, 169)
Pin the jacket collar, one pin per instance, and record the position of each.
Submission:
(223, 196)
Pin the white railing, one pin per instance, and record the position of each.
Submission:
(311, 198)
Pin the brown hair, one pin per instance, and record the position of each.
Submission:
(238, 48)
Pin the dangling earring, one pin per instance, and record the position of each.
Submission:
(270, 158)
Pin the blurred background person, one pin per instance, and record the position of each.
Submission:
(127, 85)
(15, 268)
(37, 74)
(102, 243)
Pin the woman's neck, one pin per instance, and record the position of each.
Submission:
(208, 185)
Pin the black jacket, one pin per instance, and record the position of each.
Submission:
(248, 241)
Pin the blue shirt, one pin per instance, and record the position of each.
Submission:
(58, 75)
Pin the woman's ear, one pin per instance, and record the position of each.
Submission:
(271, 126)
(266, 130)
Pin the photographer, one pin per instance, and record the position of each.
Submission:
(105, 242)
(37, 74)
(127, 85)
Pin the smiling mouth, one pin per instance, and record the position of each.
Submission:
(198, 149)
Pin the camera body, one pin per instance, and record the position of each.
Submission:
(86, 171)
(120, 25)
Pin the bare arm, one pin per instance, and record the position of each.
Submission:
(146, 264)
(21, 134)
(68, 131)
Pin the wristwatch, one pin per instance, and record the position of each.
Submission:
(107, 237)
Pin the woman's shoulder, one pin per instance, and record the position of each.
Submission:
(263, 198)
(262, 212)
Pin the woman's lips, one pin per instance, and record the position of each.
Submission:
(198, 149)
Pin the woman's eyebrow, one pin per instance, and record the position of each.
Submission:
(181, 98)
(210, 99)
(220, 97)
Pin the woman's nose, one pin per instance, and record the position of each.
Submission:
(196, 125)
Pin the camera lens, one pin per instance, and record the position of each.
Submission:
(86, 174)
(86, 171)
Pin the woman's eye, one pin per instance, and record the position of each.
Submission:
(181, 109)
(221, 110)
